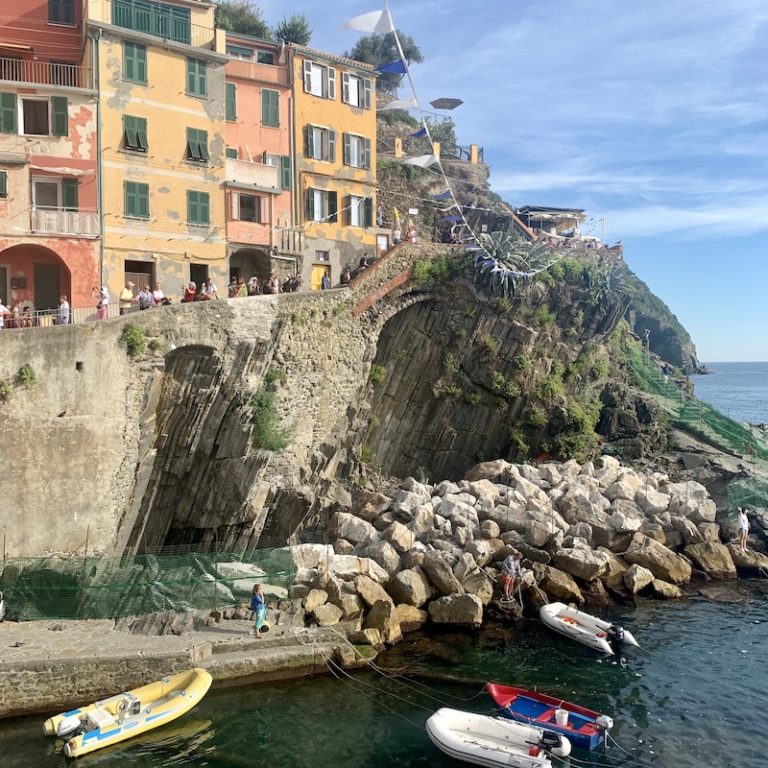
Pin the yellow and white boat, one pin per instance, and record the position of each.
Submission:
(128, 714)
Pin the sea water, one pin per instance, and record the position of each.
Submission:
(694, 696)
(738, 390)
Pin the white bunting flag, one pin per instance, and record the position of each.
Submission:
(423, 161)
(399, 104)
(375, 21)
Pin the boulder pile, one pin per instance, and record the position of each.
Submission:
(423, 553)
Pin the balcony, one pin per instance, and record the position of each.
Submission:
(58, 221)
(44, 73)
(168, 22)
(275, 74)
(257, 174)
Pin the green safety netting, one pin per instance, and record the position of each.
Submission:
(70, 587)
(700, 419)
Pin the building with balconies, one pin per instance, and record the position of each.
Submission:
(49, 222)
(259, 173)
(160, 75)
(334, 136)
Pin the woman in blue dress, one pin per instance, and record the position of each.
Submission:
(259, 609)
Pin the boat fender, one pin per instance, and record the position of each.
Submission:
(534, 752)
(604, 722)
(69, 727)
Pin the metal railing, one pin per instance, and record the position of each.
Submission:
(21, 318)
(58, 221)
(160, 20)
(449, 150)
(44, 73)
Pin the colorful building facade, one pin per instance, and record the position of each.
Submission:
(259, 173)
(49, 221)
(335, 161)
(161, 83)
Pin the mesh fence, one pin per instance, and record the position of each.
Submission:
(702, 420)
(98, 588)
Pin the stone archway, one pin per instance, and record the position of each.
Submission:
(250, 262)
(33, 276)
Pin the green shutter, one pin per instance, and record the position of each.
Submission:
(333, 206)
(310, 204)
(198, 207)
(59, 116)
(285, 164)
(331, 147)
(366, 153)
(135, 133)
(69, 194)
(232, 152)
(197, 145)
(347, 149)
(347, 209)
(270, 108)
(7, 113)
(134, 62)
(232, 101)
(345, 87)
(196, 77)
(368, 212)
(136, 199)
(366, 93)
(205, 214)
(141, 133)
(310, 141)
(3, 183)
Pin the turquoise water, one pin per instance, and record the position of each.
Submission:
(694, 697)
(739, 390)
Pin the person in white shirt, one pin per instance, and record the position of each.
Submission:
(63, 318)
(510, 570)
(3, 312)
(743, 528)
(158, 296)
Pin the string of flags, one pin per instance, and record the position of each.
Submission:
(501, 275)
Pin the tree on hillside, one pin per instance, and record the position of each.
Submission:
(243, 17)
(294, 29)
(382, 49)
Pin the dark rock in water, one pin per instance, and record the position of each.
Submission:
(595, 595)
(724, 593)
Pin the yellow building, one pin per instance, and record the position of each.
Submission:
(335, 161)
(160, 81)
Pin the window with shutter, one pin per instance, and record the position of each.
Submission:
(69, 194)
(331, 147)
(285, 166)
(233, 153)
(196, 78)
(134, 62)
(232, 101)
(135, 134)
(198, 208)
(366, 101)
(345, 87)
(307, 76)
(249, 208)
(197, 145)
(331, 89)
(368, 212)
(61, 11)
(3, 183)
(333, 206)
(136, 200)
(35, 118)
(59, 116)
(270, 108)
(7, 113)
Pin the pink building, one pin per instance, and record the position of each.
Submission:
(259, 172)
(49, 223)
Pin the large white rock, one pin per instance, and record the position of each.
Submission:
(422, 522)
(383, 616)
(370, 591)
(328, 614)
(385, 555)
(636, 578)
(457, 609)
(348, 567)
(626, 488)
(310, 555)
(465, 567)
(583, 563)
(484, 490)
(651, 501)
(399, 536)
(660, 560)
(314, 599)
(411, 587)
(558, 584)
(627, 517)
(479, 584)
(489, 470)
(482, 550)
(455, 508)
(355, 529)
(440, 574)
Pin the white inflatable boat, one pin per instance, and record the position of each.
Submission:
(494, 741)
(586, 629)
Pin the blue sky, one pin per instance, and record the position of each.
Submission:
(653, 116)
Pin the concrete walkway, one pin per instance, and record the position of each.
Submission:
(50, 666)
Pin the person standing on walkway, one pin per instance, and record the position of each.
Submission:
(259, 610)
(510, 570)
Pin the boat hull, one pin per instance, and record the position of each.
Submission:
(131, 713)
(482, 740)
(583, 627)
(540, 710)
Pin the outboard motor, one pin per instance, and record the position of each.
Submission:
(555, 743)
(69, 726)
(615, 638)
(604, 723)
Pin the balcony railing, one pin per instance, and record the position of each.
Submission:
(258, 174)
(57, 221)
(169, 22)
(44, 73)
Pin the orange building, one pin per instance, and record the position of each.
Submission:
(334, 135)
(49, 223)
(259, 172)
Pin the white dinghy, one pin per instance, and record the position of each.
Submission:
(586, 629)
(494, 741)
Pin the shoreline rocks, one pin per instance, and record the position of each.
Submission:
(417, 552)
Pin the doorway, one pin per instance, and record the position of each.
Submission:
(47, 286)
(198, 274)
(318, 270)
